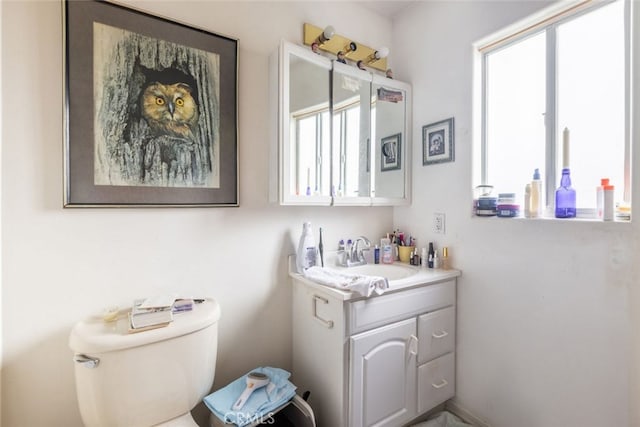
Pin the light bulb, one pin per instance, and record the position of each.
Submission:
(383, 52)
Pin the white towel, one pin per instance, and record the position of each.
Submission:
(364, 285)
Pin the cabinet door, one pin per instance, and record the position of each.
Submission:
(383, 376)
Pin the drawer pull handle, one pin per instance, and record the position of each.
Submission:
(442, 384)
(325, 322)
(441, 334)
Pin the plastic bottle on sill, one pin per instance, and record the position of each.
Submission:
(600, 197)
(607, 210)
(535, 208)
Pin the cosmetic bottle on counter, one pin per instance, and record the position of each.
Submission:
(376, 255)
(424, 258)
(446, 261)
(307, 251)
(431, 253)
(386, 248)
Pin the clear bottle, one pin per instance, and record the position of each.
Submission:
(600, 197)
(565, 197)
(535, 206)
(307, 250)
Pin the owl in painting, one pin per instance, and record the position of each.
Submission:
(170, 110)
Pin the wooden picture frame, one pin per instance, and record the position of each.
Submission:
(150, 113)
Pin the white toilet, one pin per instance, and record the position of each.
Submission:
(150, 378)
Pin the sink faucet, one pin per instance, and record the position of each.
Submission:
(353, 254)
(356, 257)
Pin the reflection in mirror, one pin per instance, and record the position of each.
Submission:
(351, 124)
(309, 127)
(388, 112)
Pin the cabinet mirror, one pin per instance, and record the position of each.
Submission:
(351, 118)
(392, 144)
(304, 127)
(342, 135)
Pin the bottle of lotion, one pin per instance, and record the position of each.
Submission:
(307, 251)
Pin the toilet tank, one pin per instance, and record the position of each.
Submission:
(144, 378)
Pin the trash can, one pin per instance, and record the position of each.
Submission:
(295, 413)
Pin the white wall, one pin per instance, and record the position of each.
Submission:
(545, 307)
(62, 265)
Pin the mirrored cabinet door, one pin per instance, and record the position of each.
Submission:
(391, 136)
(341, 135)
(351, 120)
(305, 128)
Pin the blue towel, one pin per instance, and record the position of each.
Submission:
(261, 404)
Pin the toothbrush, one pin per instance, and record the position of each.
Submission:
(321, 249)
(255, 380)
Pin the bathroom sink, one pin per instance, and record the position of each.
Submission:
(394, 271)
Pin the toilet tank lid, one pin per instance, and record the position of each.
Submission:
(94, 335)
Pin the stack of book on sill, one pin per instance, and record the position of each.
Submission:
(151, 313)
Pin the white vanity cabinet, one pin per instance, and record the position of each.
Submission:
(378, 361)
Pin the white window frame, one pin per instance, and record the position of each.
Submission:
(547, 20)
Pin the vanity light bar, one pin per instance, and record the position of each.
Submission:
(337, 43)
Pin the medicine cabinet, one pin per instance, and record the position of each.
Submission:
(341, 135)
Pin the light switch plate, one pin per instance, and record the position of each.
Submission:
(438, 223)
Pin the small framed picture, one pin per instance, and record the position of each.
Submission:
(438, 142)
(390, 152)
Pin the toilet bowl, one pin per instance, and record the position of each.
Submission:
(150, 378)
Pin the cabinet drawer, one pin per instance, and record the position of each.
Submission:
(372, 312)
(436, 382)
(436, 334)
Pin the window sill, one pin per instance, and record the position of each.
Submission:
(582, 219)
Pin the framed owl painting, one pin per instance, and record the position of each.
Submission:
(150, 110)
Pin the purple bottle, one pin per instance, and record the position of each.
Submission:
(565, 197)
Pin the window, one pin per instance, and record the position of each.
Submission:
(570, 72)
